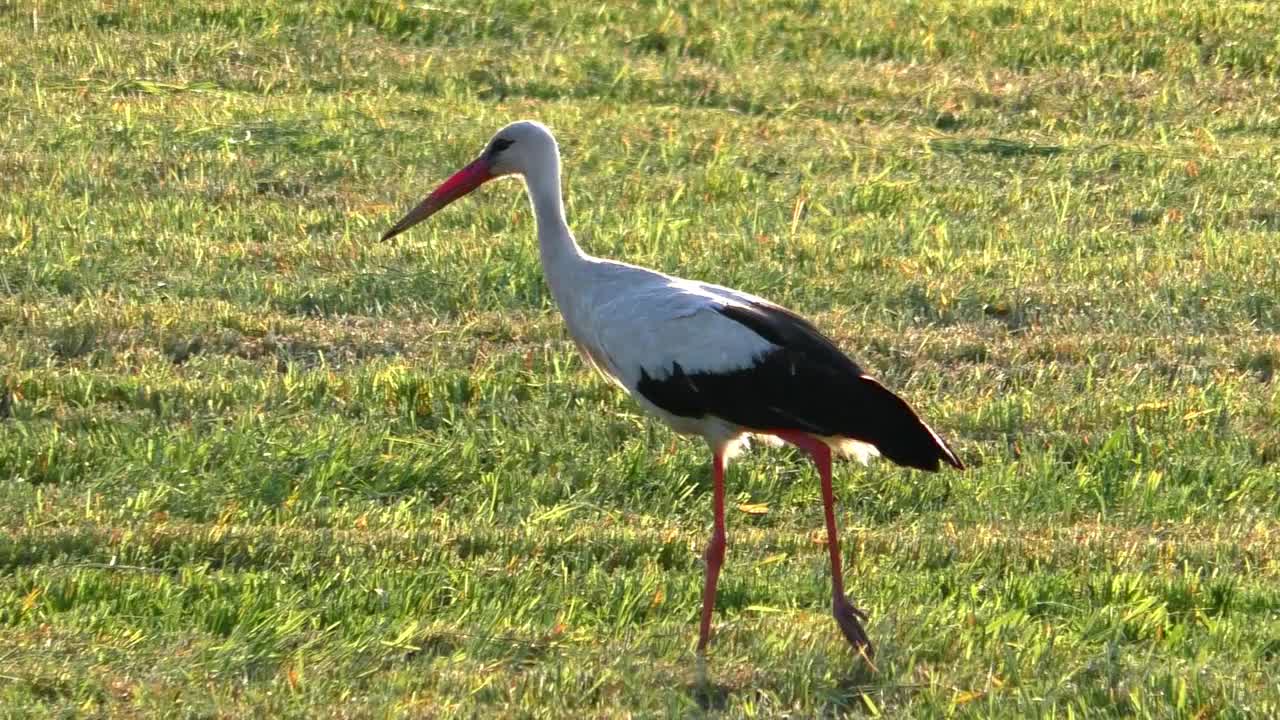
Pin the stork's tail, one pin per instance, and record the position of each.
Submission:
(898, 433)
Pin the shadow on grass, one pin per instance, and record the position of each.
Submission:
(993, 146)
(862, 677)
(710, 695)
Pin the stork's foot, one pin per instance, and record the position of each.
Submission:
(847, 617)
(709, 695)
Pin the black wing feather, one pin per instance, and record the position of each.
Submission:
(808, 385)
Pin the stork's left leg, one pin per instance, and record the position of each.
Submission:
(847, 616)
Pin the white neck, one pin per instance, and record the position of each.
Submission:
(559, 251)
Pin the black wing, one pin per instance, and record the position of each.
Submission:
(808, 385)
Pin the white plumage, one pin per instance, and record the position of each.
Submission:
(706, 360)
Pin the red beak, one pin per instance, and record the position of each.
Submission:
(460, 183)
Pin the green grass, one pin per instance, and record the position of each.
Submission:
(253, 461)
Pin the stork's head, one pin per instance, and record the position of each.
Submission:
(522, 148)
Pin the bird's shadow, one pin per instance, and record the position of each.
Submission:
(861, 678)
(710, 695)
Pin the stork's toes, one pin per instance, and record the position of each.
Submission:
(847, 617)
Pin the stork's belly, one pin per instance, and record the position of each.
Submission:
(682, 425)
(717, 431)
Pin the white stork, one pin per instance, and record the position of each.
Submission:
(705, 359)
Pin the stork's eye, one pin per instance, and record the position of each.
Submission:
(499, 145)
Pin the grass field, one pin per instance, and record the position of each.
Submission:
(253, 461)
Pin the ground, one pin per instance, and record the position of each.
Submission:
(254, 461)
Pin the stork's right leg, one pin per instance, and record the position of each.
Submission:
(714, 557)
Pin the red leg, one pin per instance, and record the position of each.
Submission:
(845, 613)
(715, 551)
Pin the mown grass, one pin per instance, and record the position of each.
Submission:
(254, 461)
